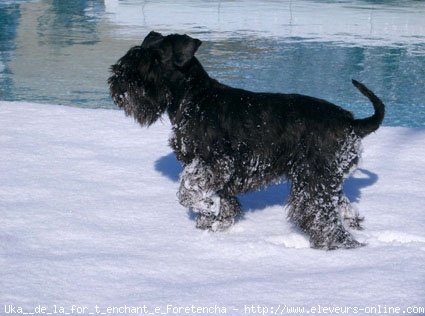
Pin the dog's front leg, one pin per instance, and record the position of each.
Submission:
(202, 191)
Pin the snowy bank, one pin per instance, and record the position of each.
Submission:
(89, 217)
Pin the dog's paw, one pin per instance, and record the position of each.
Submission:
(350, 244)
(341, 240)
(213, 223)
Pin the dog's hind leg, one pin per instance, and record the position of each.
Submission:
(203, 190)
(350, 215)
(346, 161)
(316, 195)
(314, 208)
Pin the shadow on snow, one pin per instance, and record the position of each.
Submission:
(274, 194)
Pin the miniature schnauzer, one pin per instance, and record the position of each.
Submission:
(231, 141)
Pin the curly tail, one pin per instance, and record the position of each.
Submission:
(364, 127)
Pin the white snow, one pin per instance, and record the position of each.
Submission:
(89, 217)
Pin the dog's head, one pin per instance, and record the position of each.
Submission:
(144, 79)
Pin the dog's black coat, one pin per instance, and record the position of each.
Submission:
(232, 140)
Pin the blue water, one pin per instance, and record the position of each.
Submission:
(59, 52)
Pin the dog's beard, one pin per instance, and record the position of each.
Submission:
(142, 96)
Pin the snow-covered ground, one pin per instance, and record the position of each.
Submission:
(89, 218)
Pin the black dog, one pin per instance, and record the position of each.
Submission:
(232, 141)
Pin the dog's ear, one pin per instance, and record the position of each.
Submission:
(153, 39)
(184, 48)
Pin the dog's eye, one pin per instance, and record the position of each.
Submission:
(155, 57)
